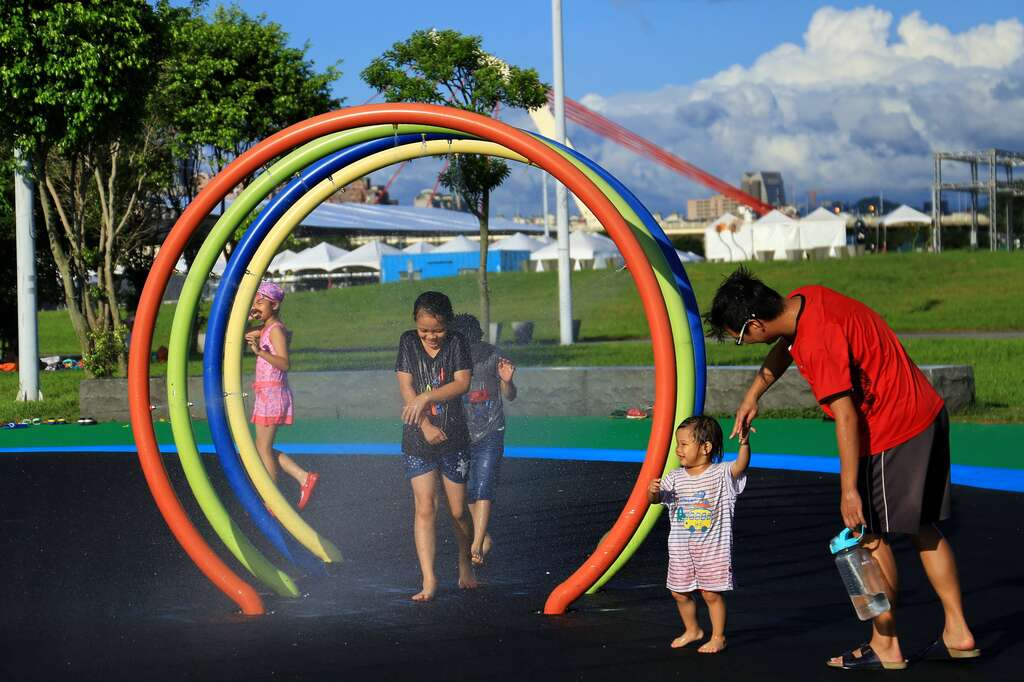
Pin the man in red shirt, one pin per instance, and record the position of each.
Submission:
(892, 430)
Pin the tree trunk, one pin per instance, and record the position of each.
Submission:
(485, 294)
(60, 258)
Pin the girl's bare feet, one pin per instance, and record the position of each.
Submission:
(477, 554)
(688, 637)
(427, 593)
(467, 578)
(713, 645)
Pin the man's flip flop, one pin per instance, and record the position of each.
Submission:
(476, 559)
(938, 651)
(868, 660)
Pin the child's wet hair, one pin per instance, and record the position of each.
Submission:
(705, 430)
(468, 326)
(435, 304)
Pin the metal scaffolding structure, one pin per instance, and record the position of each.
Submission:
(995, 159)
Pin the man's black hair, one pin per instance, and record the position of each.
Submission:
(741, 297)
(435, 304)
(706, 430)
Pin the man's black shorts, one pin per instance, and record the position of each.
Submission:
(907, 486)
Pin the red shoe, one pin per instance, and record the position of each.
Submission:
(307, 489)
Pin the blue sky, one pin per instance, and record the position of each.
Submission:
(643, 62)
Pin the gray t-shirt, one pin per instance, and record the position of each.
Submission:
(484, 411)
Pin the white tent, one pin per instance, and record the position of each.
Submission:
(904, 215)
(323, 256)
(518, 242)
(280, 260)
(776, 236)
(459, 244)
(586, 249)
(418, 247)
(728, 239)
(823, 233)
(366, 256)
(689, 257)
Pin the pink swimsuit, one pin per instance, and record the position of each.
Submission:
(273, 396)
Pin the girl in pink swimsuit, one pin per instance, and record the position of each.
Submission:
(273, 404)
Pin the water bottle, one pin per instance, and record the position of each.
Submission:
(860, 574)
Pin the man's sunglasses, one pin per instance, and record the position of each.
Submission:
(743, 330)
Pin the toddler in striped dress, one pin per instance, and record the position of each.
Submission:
(701, 498)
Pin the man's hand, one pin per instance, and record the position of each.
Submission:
(412, 410)
(851, 510)
(745, 415)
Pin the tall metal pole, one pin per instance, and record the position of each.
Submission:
(561, 196)
(547, 220)
(25, 246)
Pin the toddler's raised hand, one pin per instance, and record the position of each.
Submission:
(654, 489)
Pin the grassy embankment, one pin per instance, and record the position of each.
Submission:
(358, 327)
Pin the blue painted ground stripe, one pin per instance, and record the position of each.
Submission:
(1011, 480)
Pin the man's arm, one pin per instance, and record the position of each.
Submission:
(848, 439)
(774, 366)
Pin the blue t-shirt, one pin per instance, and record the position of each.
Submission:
(429, 373)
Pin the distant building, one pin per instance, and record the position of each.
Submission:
(764, 185)
(361, 191)
(709, 209)
(428, 198)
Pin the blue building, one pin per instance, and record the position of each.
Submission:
(416, 266)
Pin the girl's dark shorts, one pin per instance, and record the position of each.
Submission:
(907, 486)
(453, 465)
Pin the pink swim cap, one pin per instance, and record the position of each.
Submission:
(270, 291)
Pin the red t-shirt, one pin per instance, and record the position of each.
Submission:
(844, 347)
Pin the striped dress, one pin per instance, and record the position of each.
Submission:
(701, 510)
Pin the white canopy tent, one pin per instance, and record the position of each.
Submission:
(728, 239)
(275, 265)
(776, 236)
(418, 247)
(366, 256)
(586, 250)
(323, 256)
(518, 242)
(904, 215)
(823, 233)
(689, 257)
(459, 244)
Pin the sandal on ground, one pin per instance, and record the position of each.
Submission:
(476, 558)
(307, 489)
(868, 660)
(938, 651)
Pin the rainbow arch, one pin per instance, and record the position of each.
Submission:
(316, 157)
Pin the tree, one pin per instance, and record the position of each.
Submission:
(446, 67)
(75, 79)
(230, 81)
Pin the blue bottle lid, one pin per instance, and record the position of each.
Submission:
(845, 540)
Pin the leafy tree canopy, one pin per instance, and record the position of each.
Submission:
(71, 72)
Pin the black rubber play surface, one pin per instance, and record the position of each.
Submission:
(93, 586)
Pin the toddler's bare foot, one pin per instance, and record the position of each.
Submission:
(688, 637)
(427, 593)
(713, 645)
(485, 548)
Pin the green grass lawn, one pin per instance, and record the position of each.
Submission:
(358, 327)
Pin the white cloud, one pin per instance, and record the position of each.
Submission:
(855, 108)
